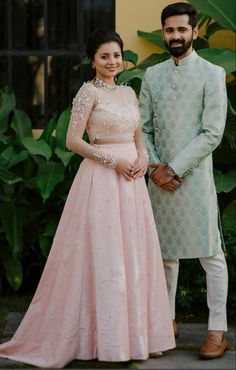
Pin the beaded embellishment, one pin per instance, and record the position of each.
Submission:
(106, 159)
(100, 83)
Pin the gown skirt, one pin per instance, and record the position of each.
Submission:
(102, 293)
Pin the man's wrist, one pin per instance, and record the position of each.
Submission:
(171, 171)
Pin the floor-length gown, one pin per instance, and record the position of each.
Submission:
(102, 293)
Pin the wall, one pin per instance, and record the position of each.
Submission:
(144, 15)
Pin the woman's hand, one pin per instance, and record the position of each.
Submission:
(125, 168)
(140, 166)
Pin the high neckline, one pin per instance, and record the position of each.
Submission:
(100, 83)
(186, 60)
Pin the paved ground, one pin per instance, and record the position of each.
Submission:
(185, 356)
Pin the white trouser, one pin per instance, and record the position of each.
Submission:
(217, 288)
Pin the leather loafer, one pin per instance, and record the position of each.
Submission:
(176, 328)
(213, 347)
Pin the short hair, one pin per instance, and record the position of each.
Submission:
(100, 37)
(180, 9)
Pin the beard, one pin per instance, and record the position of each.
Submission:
(178, 51)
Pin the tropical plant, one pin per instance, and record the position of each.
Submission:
(35, 177)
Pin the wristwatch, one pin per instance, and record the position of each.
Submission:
(171, 171)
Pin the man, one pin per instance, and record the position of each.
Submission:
(183, 108)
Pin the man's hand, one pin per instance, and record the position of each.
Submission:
(172, 185)
(160, 175)
(162, 178)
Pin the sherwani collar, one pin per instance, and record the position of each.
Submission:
(185, 61)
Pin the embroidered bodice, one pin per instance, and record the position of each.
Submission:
(108, 115)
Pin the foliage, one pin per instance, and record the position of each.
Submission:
(35, 177)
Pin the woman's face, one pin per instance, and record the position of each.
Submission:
(108, 61)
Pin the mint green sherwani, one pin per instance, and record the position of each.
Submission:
(183, 113)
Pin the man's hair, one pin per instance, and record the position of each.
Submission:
(180, 9)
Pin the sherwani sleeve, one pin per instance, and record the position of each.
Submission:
(146, 111)
(213, 124)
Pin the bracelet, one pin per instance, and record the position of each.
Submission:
(171, 171)
(106, 159)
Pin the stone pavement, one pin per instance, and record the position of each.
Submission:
(185, 356)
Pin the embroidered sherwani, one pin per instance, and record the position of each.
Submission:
(183, 112)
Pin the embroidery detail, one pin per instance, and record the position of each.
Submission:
(80, 104)
(106, 159)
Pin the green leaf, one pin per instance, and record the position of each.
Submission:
(51, 226)
(12, 220)
(213, 28)
(61, 128)
(48, 130)
(7, 154)
(14, 271)
(130, 74)
(222, 57)
(7, 104)
(130, 56)
(154, 37)
(17, 158)
(45, 245)
(229, 218)
(153, 59)
(84, 61)
(225, 182)
(222, 11)
(230, 128)
(200, 43)
(9, 177)
(21, 124)
(224, 154)
(49, 175)
(201, 19)
(64, 155)
(37, 147)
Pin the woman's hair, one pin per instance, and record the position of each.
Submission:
(100, 37)
(180, 9)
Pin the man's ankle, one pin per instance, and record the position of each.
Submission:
(218, 333)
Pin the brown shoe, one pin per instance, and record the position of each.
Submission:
(213, 347)
(176, 328)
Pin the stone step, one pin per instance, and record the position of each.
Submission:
(184, 356)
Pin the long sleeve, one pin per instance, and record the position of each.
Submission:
(213, 123)
(146, 111)
(81, 109)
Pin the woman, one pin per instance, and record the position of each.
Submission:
(102, 293)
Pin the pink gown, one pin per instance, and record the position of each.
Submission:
(102, 293)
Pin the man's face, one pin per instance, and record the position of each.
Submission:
(178, 35)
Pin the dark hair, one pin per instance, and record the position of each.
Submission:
(180, 9)
(100, 37)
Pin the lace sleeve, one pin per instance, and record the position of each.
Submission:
(139, 139)
(82, 106)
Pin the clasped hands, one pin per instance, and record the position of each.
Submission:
(162, 178)
(132, 170)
